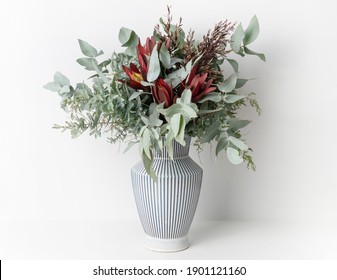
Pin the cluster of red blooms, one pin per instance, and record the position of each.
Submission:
(163, 92)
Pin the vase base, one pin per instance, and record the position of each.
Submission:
(166, 245)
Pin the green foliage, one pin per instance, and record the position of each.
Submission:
(171, 87)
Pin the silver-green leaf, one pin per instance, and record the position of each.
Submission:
(52, 86)
(238, 143)
(229, 84)
(252, 31)
(60, 79)
(260, 55)
(154, 66)
(164, 57)
(236, 39)
(87, 49)
(233, 156)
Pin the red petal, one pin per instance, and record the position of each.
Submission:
(134, 68)
(202, 79)
(192, 74)
(127, 71)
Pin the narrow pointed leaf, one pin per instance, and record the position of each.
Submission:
(234, 64)
(52, 86)
(237, 38)
(252, 31)
(164, 57)
(236, 124)
(240, 83)
(260, 55)
(154, 67)
(232, 98)
(175, 123)
(86, 62)
(222, 143)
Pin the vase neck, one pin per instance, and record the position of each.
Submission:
(179, 151)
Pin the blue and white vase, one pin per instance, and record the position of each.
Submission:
(166, 208)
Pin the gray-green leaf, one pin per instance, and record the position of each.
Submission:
(211, 132)
(238, 143)
(164, 57)
(52, 86)
(234, 64)
(236, 124)
(232, 98)
(229, 84)
(233, 155)
(154, 67)
(237, 38)
(252, 31)
(260, 55)
(127, 37)
(240, 83)
(87, 49)
(60, 79)
(86, 62)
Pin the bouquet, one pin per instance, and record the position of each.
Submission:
(169, 87)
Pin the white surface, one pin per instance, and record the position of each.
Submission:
(208, 240)
(47, 176)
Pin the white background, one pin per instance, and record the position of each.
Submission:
(46, 176)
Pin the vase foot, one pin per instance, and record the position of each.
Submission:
(166, 245)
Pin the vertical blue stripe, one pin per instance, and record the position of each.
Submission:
(166, 208)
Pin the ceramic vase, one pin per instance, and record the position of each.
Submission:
(166, 207)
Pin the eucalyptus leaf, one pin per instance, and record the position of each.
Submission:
(87, 49)
(60, 79)
(211, 132)
(52, 86)
(233, 156)
(232, 98)
(136, 94)
(234, 64)
(229, 84)
(235, 124)
(212, 96)
(86, 62)
(148, 164)
(252, 31)
(127, 37)
(175, 123)
(129, 146)
(64, 89)
(260, 55)
(236, 39)
(164, 57)
(238, 143)
(154, 66)
(240, 83)
(146, 142)
(222, 144)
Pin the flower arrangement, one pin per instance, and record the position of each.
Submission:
(171, 87)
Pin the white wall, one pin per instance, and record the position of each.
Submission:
(44, 175)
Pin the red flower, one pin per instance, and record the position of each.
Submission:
(198, 85)
(134, 75)
(145, 52)
(162, 92)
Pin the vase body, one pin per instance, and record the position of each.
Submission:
(166, 207)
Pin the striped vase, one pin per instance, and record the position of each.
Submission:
(166, 208)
